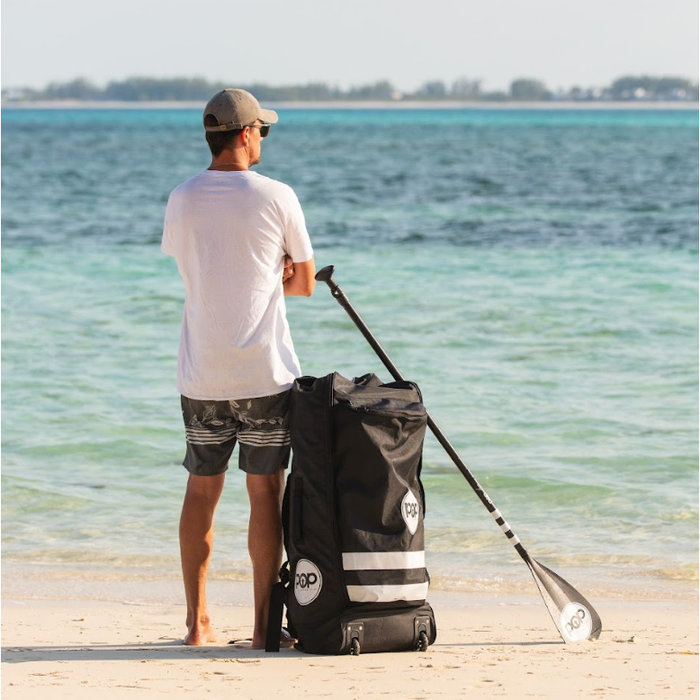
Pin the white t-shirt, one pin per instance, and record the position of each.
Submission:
(229, 233)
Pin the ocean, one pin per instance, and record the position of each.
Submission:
(534, 271)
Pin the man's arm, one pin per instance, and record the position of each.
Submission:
(299, 279)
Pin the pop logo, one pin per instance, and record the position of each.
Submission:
(307, 582)
(576, 622)
(410, 512)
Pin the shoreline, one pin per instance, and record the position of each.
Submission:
(142, 586)
(362, 105)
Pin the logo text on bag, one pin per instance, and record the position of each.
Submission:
(307, 582)
(410, 512)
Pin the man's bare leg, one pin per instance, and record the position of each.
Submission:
(264, 544)
(196, 540)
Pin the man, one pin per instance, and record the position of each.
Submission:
(241, 246)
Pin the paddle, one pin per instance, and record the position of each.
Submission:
(572, 614)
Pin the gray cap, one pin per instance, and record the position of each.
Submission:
(234, 109)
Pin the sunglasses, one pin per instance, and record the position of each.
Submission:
(264, 129)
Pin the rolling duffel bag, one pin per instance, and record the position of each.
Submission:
(353, 514)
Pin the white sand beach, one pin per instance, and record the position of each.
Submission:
(488, 646)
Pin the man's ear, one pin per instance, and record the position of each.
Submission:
(245, 136)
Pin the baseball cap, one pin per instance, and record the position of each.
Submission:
(234, 109)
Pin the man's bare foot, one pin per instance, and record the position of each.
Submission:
(198, 635)
(286, 641)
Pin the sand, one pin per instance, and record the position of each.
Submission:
(488, 646)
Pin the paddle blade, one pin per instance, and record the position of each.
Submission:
(573, 615)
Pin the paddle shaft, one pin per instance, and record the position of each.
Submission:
(326, 275)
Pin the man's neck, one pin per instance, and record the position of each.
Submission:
(224, 165)
(230, 160)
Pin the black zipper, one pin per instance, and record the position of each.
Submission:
(330, 488)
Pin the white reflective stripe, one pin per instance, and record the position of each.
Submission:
(387, 594)
(373, 561)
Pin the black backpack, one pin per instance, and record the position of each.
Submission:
(353, 514)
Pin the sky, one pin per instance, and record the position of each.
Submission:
(564, 43)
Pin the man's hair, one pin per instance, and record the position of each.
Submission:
(219, 141)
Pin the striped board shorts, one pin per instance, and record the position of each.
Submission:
(260, 426)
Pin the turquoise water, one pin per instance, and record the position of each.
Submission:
(535, 272)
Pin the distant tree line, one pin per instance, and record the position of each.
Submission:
(140, 89)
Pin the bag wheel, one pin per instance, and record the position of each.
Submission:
(423, 642)
(355, 647)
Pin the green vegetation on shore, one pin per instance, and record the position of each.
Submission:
(140, 89)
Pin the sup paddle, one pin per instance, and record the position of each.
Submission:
(573, 615)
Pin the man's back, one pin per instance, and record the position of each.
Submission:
(230, 232)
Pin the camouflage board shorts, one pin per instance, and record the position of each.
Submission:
(260, 426)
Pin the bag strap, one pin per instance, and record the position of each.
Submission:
(278, 597)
